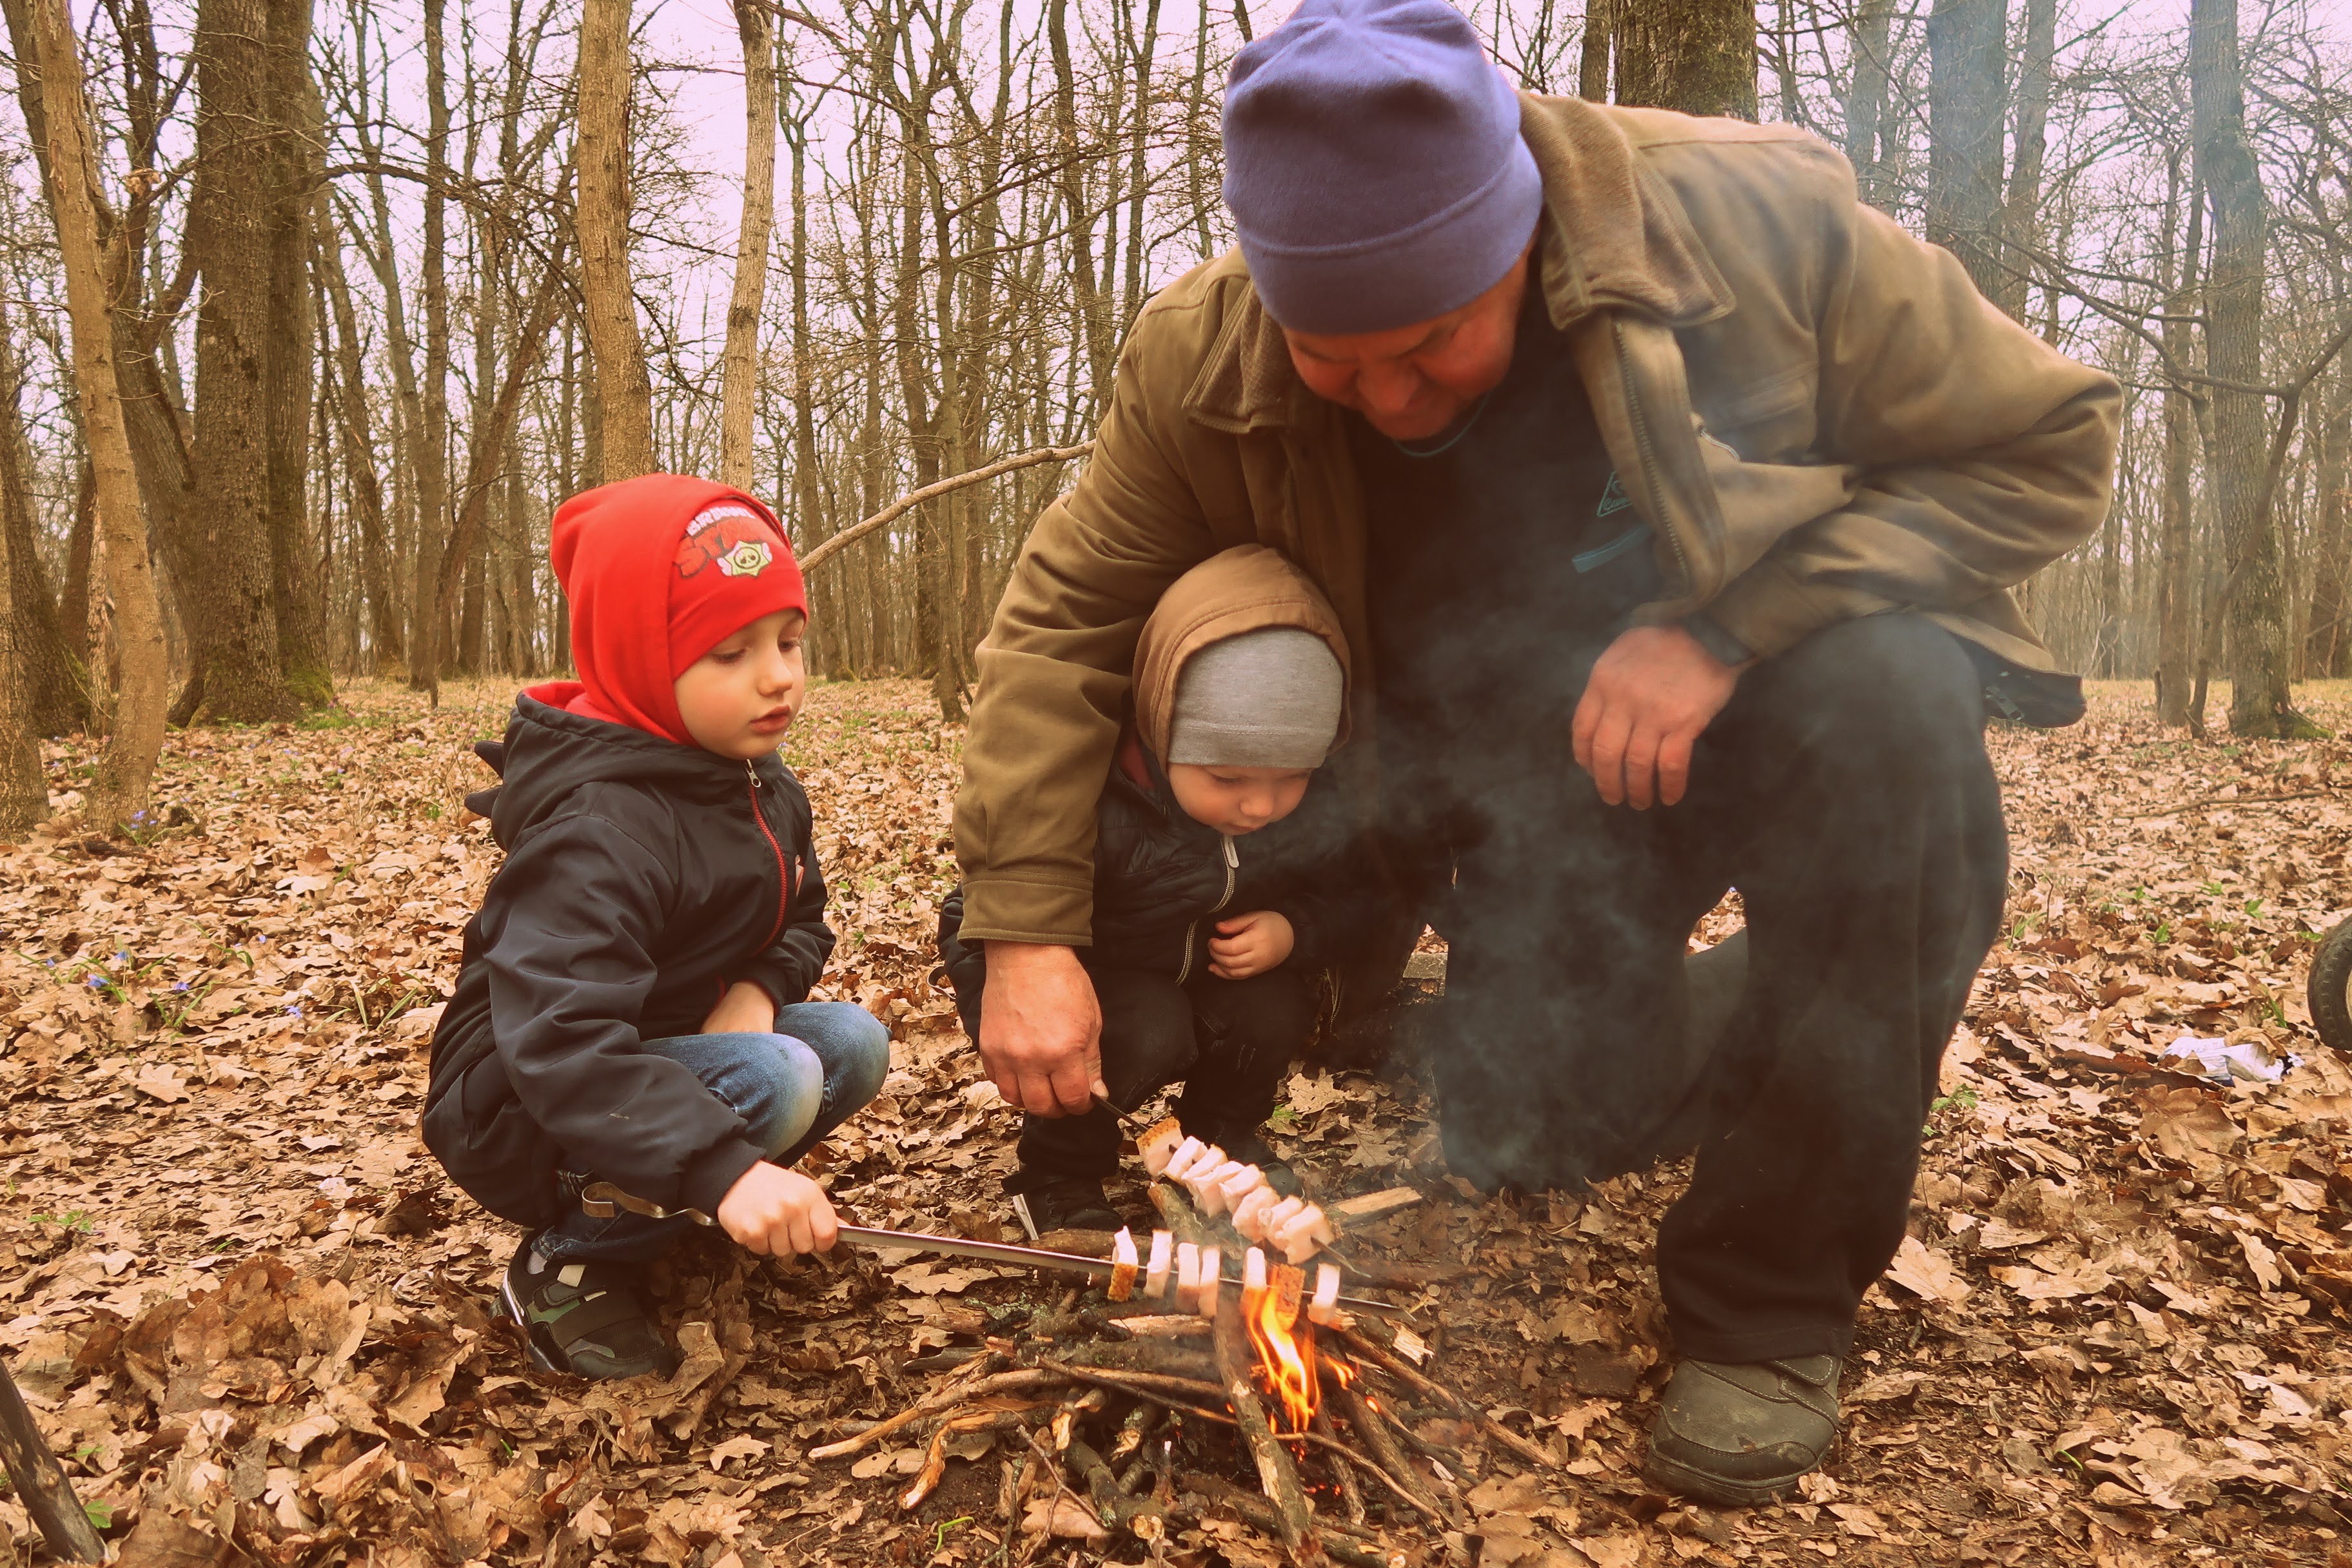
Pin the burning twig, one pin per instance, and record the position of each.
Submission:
(1372, 1430)
(1395, 1366)
(1351, 1493)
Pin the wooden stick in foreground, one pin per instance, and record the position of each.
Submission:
(41, 1483)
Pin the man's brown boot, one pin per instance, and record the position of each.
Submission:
(1742, 1434)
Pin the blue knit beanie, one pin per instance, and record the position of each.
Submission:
(1373, 165)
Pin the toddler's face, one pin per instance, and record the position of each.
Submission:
(1237, 800)
(738, 698)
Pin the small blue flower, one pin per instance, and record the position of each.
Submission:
(122, 957)
(92, 981)
(181, 985)
(295, 1011)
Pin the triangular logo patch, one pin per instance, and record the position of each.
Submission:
(1613, 499)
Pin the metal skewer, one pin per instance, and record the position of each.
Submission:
(598, 1200)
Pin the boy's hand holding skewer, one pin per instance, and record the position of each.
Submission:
(773, 1210)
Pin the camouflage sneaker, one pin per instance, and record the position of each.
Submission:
(1742, 1434)
(584, 1317)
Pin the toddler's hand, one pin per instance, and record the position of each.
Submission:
(771, 1209)
(1250, 944)
(745, 1009)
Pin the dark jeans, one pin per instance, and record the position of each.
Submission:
(1845, 792)
(823, 1061)
(1229, 1040)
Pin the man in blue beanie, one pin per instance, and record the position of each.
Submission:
(1671, 498)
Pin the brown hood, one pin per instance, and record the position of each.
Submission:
(1245, 589)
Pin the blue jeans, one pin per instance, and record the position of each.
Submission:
(790, 1087)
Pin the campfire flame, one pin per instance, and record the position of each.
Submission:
(1286, 1357)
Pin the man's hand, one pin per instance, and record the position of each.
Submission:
(1041, 1028)
(1652, 694)
(771, 1209)
(1250, 944)
(744, 1010)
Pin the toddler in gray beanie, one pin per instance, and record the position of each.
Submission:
(1266, 699)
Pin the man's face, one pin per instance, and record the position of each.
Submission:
(1412, 382)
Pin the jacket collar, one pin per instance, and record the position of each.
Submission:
(1633, 249)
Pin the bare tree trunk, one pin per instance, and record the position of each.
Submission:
(1097, 343)
(2326, 642)
(295, 160)
(739, 360)
(623, 388)
(2021, 217)
(1865, 98)
(24, 792)
(1697, 56)
(2176, 589)
(347, 386)
(427, 616)
(1968, 50)
(834, 641)
(2255, 589)
(46, 694)
(1593, 64)
(231, 609)
(135, 736)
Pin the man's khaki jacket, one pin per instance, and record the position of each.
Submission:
(1818, 414)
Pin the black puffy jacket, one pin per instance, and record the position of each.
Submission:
(1163, 880)
(641, 879)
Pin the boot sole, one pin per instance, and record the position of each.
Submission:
(1698, 1483)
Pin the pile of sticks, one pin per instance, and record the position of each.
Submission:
(1121, 1416)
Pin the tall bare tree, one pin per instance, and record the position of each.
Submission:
(2255, 589)
(624, 386)
(1968, 49)
(740, 358)
(118, 792)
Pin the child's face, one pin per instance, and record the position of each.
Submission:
(738, 698)
(1237, 800)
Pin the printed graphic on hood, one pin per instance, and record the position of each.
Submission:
(732, 538)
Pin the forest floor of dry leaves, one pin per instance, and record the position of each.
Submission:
(257, 1324)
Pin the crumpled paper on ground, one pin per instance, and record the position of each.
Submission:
(2223, 1062)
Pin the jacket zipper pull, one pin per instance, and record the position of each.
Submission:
(1233, 856)
(752, 771)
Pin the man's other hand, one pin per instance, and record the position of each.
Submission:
(1655, 690)
(773, 1210)
(1041, 1028)
(745, 1009)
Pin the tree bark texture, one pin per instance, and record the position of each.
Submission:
(135, 735)
(1967, 53)
(294, 152)
(231, 605)
(1592, 58)
(1696, 56)
(45, 684)
(1865, 98)
(739, 360)
(623, 387)
(2255, 587)
(2175, 593)
(2022, 217)
(2326, 643)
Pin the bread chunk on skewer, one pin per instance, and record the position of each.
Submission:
(1212, 1281)
(1164, 1254)
(1249, 1215)
(1160, 1143)
(1122, 1264)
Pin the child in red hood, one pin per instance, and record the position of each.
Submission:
(632, 1003)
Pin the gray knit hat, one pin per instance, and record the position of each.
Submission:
(1266, 699)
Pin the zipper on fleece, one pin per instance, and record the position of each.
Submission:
(1233, 869)
(783, 870)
